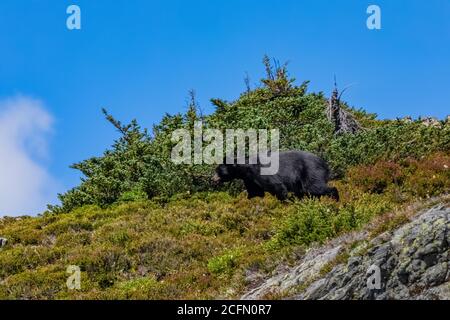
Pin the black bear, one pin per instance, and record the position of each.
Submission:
(301, 173)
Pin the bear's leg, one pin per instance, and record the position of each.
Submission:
(254, 194)
(253, 190)
(298, 191)
(280, 192)
(282, 196)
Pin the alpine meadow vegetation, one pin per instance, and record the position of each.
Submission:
(141, 227)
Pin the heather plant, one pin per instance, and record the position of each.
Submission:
(201, 246)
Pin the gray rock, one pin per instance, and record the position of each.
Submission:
(3, 242)
(283, 280)
(436, 275)
(407, 119)
(431, 122)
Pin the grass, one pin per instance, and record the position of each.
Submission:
(201, 247)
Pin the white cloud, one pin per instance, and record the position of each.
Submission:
(26, 187)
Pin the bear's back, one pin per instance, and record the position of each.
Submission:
(303, 163)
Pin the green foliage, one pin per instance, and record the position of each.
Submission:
(138, 165)
(391, 140)
(223, 264)
(310, 222)
(316, 221)
(137, 194)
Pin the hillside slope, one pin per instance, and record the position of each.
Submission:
(206, 245)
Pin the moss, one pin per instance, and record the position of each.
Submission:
(341, 258)
(389, 223)
(42, 283)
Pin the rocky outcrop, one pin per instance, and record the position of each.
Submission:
(431, 122)
(411, 262)
(3, 242)
(310, 266)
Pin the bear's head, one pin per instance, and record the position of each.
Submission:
(225, 173)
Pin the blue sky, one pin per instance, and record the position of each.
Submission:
(139, 58)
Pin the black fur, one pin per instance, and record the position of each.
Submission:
(301, 173)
